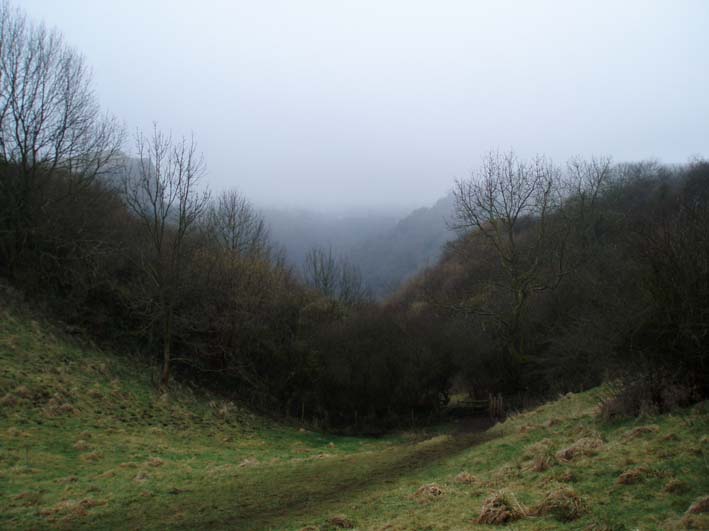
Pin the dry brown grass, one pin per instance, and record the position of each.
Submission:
(341, 521)
(81, 445)
(633, 475)
(640, 431)
(563, 504)
(155, 462)
(58, 407)
(540, 455)
(586, 446)
(248, 462)
(467, 478)
(429, 492)
(29, 498)
(141, 477)
(699, 506)
(23, 392)
(72, 508)
(527, 428)
(8, 401)
(92, 457)
(501, 507)
(675, 486)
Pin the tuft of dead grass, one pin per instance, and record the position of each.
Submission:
(640, 431)
(81, 445)
(429, 492)
(9, 400)
(341, 521)
(248, 462)
(466, 478)
(23, 392)
(141, 477)
(29, 498)
(563, 504)
(527, 428)
(92, 457)
(58, 407)
(155, 462)
(633, 476)
(699, 506)
(586, 446)
(501, 507)
(675, 486)
(540, 455)
(74, 508)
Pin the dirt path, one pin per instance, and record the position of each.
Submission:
(315, 485)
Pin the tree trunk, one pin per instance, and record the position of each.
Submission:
(166, 353)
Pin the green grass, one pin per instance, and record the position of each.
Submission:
(87, 443)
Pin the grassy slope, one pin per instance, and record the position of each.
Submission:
(85, 442)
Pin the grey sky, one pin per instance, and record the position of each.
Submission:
(353, 103)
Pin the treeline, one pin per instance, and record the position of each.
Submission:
(560, 278)
(134, 250)
(564, 277)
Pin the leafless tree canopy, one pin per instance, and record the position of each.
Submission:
(50, 123)
(236, 225)
(162, 192)
(49, 116)
(334, 277)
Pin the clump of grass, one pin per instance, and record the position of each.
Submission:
(586, 446)
(640, 431)
(429, 492)
(501, 507)
(8, 401)
(699, 506)
(696, 516)
(92, 457)
(341, 521)
(540, 455)
(81, 445)
(248, 462)
(563, 504)
(141, 477)
(675, 486)
(155, 462)
(466, 478)
(633, 475)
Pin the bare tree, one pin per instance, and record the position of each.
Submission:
(51, 126)
(335, 278)
(162, 193)
(321, 271)
(504, 196)
(237, 226)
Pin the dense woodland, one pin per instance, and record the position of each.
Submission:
(562, 276)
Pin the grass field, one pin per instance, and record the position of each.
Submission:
(87, 443)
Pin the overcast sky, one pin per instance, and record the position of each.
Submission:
(382, 103)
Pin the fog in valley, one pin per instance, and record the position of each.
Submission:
(340, 119)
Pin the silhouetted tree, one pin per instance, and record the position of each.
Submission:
(51, 128)
(162, 193)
